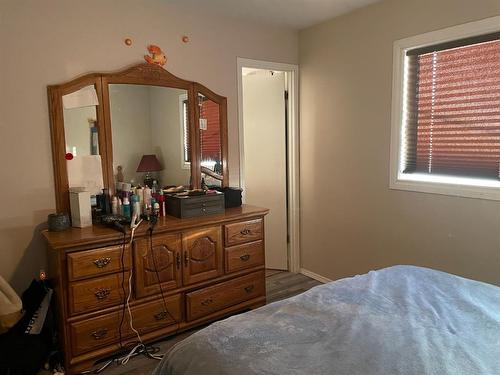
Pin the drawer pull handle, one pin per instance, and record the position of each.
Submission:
(245, 232)
(102, 262)
(99, 334)
(102, 293)
(207, 301)
(161, 315)
(245, 257)
(249, 288)
(178, 260)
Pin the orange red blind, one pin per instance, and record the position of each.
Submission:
(454, 111)
(210, 141)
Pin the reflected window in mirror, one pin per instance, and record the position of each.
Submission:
(210, 141)
(185, 145)
(145, 121)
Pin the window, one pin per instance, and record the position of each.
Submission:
(185, 144)
(446, 112)
(185, 126)
(210, 137)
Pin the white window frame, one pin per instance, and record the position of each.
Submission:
(182, 98)
(447, 185)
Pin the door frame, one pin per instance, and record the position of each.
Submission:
(292, 86)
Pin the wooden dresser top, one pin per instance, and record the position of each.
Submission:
(99, 234)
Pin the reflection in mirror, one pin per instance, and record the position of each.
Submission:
(81, 139)
(210, 141)
(145, 121)
(80, 119)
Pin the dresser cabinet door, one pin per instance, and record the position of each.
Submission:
(202, 255)
(160, 262)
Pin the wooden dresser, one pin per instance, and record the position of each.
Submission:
(209, 267)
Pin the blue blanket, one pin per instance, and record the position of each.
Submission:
(398, 320)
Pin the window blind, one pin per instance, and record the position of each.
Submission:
(210, 140)
(452, 107)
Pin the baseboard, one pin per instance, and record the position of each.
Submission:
(315, 276)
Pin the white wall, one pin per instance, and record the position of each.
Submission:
(77, 129)
(351, 221)
(52, 41)
(131, 128)
(166, 135)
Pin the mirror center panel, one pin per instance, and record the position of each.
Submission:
(150, 134)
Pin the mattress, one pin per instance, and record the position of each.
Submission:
(397, 320)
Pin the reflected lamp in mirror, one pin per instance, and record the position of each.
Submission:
(148, 164)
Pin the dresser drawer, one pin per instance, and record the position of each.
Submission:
(94, 333)
(208, 300)
(94, 294)
(89, 263)
(244, 256)
(153, 315)
(202, 211)
(245, 231)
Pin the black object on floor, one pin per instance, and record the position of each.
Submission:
(22, 353)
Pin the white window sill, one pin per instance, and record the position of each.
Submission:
(447, 185)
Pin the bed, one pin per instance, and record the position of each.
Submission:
(397, 320)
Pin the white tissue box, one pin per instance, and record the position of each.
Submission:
(81, 211)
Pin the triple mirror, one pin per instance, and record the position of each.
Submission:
(136, 126)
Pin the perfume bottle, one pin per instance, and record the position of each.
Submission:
(126, 207)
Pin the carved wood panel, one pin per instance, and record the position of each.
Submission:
(159, 261)
(202, 255)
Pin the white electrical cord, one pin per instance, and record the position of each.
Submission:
(139, 348)
(130, 290)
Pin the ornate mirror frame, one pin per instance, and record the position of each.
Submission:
(141, 74)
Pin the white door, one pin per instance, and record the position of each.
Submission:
(265, 157)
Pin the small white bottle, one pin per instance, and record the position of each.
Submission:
(140, 194)
(114, 205)
(147, 197)
(156, 188)
(120, 207)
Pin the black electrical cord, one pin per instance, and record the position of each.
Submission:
(151, 228)
(122, 256)
(148, 351)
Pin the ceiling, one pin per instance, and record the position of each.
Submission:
(296, 14)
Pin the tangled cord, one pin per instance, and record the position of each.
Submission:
(149, 351)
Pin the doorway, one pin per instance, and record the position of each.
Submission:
(268, 140)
